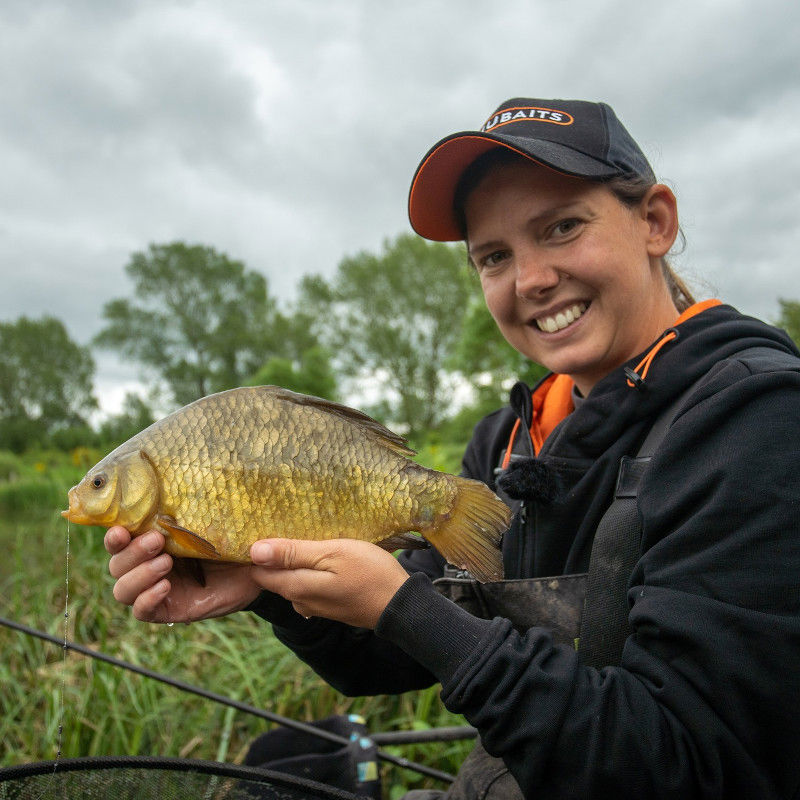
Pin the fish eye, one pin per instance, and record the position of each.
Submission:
(99, 481)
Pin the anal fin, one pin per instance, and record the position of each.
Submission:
(192, 544)
(403, 541)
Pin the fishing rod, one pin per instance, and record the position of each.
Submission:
(400, 737)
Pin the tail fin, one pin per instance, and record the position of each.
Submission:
(470, 536)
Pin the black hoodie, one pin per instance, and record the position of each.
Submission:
(706, 700)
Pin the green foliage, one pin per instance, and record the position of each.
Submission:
(395, 316)
(199, 319)
(789, 319)
(45, 381)
(18, 432)
(10, 466)
(17, 497)
(312, 374)
(74, 436)
(135, 416)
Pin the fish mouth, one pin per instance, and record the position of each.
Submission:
(73, 513)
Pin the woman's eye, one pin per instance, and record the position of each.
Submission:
(566, 226)
(494, 258)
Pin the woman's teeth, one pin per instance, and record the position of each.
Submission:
(562, 319)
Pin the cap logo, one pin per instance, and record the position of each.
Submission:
(526, 114)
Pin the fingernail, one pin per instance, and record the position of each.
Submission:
(261, 552)
(162, 563)
(151, 542)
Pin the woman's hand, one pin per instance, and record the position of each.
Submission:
(342, 579)
(162, 590)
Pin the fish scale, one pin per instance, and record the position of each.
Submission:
(261, 462)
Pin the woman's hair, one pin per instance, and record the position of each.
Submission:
(628, 191)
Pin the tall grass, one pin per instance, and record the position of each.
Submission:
(108, 711)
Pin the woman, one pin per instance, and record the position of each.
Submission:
(568, 230)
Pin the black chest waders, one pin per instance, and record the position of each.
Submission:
(588, 610)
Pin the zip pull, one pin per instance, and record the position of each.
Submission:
(635, 377)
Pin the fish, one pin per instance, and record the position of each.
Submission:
(262, 462)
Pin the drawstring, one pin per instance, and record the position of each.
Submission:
(536, 438)
(507, 456)
(636, 376)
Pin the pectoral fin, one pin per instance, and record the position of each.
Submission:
(189, 542)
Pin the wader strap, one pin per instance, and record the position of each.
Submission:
(615, 551)
(617, 543)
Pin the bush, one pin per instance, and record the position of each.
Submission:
(74, 436)
(22, 496)
(9, 466)
(19, 434)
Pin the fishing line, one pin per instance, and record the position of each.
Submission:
(62, 688)
(64, 656)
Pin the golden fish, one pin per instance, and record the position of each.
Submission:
(254, 463)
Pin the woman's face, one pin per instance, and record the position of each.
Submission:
(570, 274)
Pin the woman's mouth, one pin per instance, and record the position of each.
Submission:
(562, 319)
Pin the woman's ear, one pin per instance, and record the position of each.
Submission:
(659, 209)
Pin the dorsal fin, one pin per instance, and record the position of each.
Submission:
(377, 431)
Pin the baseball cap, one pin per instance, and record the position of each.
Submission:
(574, 137)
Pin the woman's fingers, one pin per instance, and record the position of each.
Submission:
(342, 579)
(135, 552)
(141, 578)
(116, 539)
(151, 604)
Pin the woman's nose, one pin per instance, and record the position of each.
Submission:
(535, 275)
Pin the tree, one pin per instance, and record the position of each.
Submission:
(395, 316)
(199, 319)
(487, 360)
(134, 416)
(45, 381)
(311, 374)
(789, 319)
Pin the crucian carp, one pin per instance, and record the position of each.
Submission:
(260, 462)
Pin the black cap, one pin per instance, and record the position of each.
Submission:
(575, 137)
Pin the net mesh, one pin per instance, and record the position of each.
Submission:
(141, 778)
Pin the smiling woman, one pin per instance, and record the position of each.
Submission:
(546, 244)
(649, 474)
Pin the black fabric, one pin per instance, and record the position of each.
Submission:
(529, 479)
(706, 700)
(353, 767)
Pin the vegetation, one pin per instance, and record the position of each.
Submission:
(200, 320)
(45, 382)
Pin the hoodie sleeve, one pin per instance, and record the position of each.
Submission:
(706, 700)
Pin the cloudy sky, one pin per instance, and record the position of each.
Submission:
(285, 132)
